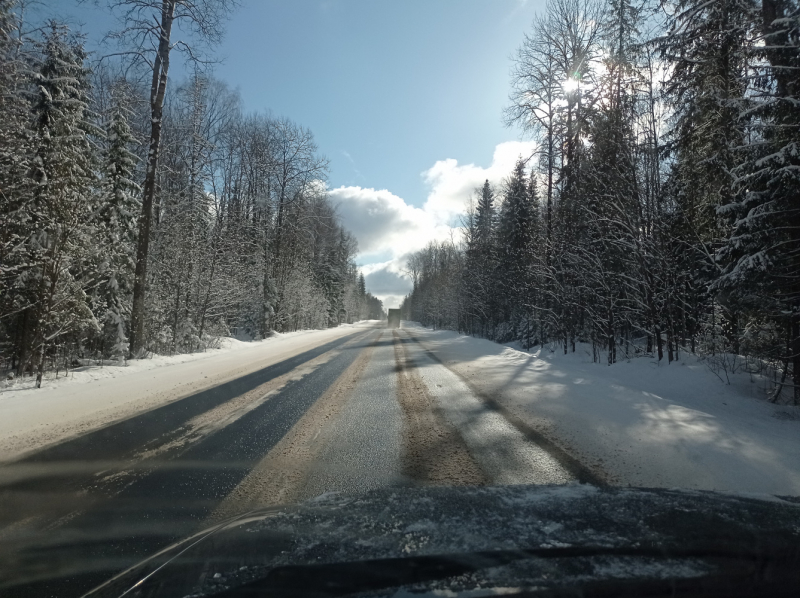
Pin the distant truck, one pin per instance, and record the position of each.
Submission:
(394, 318)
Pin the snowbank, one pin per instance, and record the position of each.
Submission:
(637, 423)
(94, 396)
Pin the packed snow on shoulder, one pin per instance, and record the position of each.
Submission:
(638, 422)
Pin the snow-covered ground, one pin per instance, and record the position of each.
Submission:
(94, 396)
(637, 423)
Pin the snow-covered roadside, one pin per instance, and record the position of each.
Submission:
(637, 423)
(92, 397)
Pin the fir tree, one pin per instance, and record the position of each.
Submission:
(485, 217)
(62, 172)
(517, 223)
(708, 46)
(362, 285)
(762, 255)
(15, 189)
(116, 227)
(479, 274)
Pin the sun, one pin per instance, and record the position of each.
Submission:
(571, 85)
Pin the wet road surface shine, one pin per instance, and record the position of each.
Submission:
(367, 411)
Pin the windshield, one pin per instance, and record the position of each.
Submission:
(256, 254)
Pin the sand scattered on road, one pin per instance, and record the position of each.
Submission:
(434, 452)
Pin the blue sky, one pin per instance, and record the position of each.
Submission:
(404, 97)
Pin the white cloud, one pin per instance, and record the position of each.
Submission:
(389, 230)
(387, 281)
(452, 184)
(384, 223)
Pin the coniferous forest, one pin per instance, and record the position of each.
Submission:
(143, 213)
(661, 211)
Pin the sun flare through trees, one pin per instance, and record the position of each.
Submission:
(660, 212)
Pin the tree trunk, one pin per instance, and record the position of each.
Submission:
(207, 298)
(24, 344)
(612, 344)
(795, 354)
(40, 368)
(670, 355)
(659, 343)
(157, 90)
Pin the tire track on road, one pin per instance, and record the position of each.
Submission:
(434, 452)
(580, 472)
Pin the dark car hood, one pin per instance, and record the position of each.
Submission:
(475, 541)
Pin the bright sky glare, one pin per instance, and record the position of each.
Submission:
(404, 97)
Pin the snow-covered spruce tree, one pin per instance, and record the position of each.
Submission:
(360, 295)
(614, 264)
(326, 277)
(354, 301)
(708, 47)
(479, 291)
(115, 222)
(343, 276)
(362, 285)
(606, 256)
(517, 228)
(15, 190)
(534, 303)
(762, 255)
(63, 166)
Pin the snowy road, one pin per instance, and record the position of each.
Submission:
(366, 410)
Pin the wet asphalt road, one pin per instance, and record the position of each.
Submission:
(111, 497)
